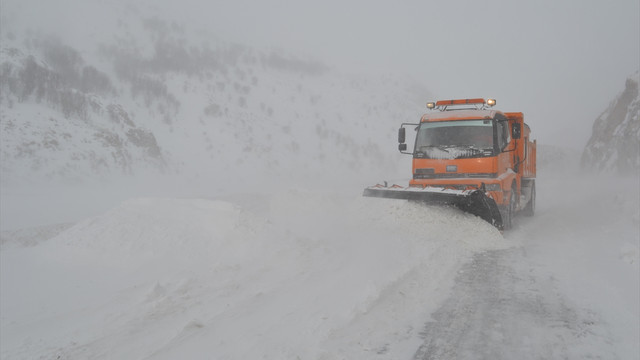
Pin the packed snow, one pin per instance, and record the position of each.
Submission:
(295, 274)
(308, 274)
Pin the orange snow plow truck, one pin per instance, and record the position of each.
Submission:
(465, 154)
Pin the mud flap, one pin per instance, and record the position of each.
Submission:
(472, 201)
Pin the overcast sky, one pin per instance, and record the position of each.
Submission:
(560, 62)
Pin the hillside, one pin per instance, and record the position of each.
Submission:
(164, 101)
(615, 143)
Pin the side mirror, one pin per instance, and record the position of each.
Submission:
(516, 130)
(401, 136)
(402, 147)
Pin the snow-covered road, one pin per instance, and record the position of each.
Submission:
(500, 309)
(327, 275)
(568, 290)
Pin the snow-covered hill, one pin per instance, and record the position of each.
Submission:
(615, 142)
(160, 100)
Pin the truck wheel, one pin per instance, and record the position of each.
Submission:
(530, 209)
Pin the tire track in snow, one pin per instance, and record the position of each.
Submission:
(500, 309)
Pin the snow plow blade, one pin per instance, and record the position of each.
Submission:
(472, 201)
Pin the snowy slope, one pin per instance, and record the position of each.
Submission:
(155, 98)
(150, 107)
(61, 120)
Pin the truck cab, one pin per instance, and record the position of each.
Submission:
(466, 145)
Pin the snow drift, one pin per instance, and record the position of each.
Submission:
(296, 275)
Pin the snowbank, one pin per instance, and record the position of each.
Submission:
(293, 275)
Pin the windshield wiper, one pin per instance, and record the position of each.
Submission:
(440, 147)
(475, 147)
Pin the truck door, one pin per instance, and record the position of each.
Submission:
(503, 140)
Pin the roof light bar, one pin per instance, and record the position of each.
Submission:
(460, 102)
(442, 105)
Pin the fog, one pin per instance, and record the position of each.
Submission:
(184, 178)
(560, 63)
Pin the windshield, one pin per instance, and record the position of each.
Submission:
(455, 139)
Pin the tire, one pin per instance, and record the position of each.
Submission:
(530, 209)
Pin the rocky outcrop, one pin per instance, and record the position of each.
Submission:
(615, 142)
